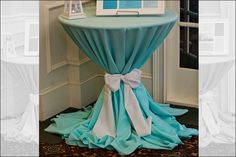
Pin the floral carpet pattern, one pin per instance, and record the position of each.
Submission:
(188, 148)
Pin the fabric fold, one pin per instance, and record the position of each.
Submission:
(166, 131)
(105, 124)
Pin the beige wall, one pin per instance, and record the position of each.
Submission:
(67, 77)
(54, 96)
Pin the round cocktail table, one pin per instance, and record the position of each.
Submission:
(22, 70)
(125, 117)
(215, 125)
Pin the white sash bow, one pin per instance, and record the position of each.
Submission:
(105, 124)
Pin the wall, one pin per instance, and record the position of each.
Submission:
(54, 96)
(14, 14)
(67, 77)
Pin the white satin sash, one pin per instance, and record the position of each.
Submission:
(105, 124)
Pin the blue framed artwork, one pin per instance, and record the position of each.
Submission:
(129, 7)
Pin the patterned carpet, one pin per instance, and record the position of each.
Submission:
(16, 148)
(188, 148)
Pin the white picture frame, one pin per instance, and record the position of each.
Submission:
(145, 8)
(218, 44)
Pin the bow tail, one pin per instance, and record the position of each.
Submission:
(209, 119)
(105, 124)
(142, 126)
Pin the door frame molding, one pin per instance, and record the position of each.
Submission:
(172, 98)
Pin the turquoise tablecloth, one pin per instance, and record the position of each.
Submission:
(120, 45)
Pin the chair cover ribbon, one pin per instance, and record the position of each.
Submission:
(105, 124)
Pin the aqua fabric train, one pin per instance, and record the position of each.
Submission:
(119, 51)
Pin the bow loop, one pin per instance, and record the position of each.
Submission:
(113, 81)
(133, 78)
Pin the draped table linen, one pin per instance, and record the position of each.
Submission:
(125, 117)
(215, 125)
(24, 128)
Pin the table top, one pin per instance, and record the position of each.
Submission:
(215, 60)
(116, 22)
(22, 60)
